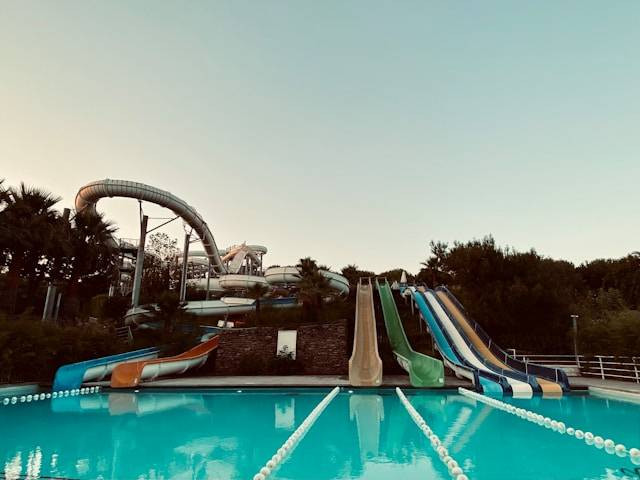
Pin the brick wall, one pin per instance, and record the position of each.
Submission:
(321, 350)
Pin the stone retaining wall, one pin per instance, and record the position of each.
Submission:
(321, 350)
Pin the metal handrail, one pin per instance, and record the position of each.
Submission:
(603, 366)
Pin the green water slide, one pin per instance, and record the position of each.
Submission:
(423, 371)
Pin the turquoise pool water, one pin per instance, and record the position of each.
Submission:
(362, 435)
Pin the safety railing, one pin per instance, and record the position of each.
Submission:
(124, 333)
(599, 366)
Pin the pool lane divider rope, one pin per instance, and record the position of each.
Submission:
(7, 401)
(589, 438)
(290, 444)
(454, 468)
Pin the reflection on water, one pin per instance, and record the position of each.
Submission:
(363, 435)
(285, 414)
(367, 411)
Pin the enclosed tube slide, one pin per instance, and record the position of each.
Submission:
(423, 370)
(88, 196)
(519, 388)
(551, 381)
(483, 381)
(278, 275)
(131, 374)
(365, 366)
(72, 376)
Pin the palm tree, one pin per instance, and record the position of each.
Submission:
(257, 291)
(29, 233)
(313, 286)
(92, 253)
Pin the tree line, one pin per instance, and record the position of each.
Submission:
(525, 300)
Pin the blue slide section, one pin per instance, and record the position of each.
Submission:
(71, 376)
(486, 382)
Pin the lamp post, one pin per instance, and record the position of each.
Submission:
(574, 319)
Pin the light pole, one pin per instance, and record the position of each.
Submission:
(574, 319)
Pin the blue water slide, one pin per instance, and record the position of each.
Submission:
(72, 375)
(521, 385)
(483, 381)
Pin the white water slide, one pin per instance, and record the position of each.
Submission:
(520, 389)
(90, 194)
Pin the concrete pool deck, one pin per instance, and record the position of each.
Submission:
(248, 381)
(279, 381)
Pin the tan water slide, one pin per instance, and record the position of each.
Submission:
(548, 387)
(365, 366)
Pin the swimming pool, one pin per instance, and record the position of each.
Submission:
(361, 435)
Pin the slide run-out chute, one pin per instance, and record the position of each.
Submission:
(365, 365)
(550, 381)
(423, 370)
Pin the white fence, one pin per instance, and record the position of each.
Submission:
(600, 366)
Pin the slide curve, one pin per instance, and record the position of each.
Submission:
(131, 374)
(72, 376)
(88, 196)
(423, 370)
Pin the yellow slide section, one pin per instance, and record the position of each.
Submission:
(127, 375)
(365, 366)
(548, 387)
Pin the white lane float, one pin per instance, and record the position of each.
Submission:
(589, 438)
(289, 445)
(454, 468)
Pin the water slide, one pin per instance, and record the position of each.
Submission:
(484, 381)
(517, 383)
(88, 196)
(291, 275)
(129, 375)
(423, 371)
(551, 381)
(365, 366)
(72, 376)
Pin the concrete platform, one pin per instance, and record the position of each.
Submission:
(309, 381)
(586, 382)
(279, 381)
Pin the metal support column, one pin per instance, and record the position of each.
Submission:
(185, 261)
(137, 278)
(208, 278)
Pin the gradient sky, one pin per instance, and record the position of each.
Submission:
(350, 131)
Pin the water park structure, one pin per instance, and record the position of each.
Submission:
(426, 401)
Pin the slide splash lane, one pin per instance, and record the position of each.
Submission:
(365, 366)
(482, 380)
(512, 383)
(472, 332)
(131, 374)
(423, 370)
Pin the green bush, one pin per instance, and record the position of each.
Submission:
(31, 350)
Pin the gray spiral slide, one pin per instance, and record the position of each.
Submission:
(88, 196)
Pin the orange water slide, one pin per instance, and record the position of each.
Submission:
(129, 375)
